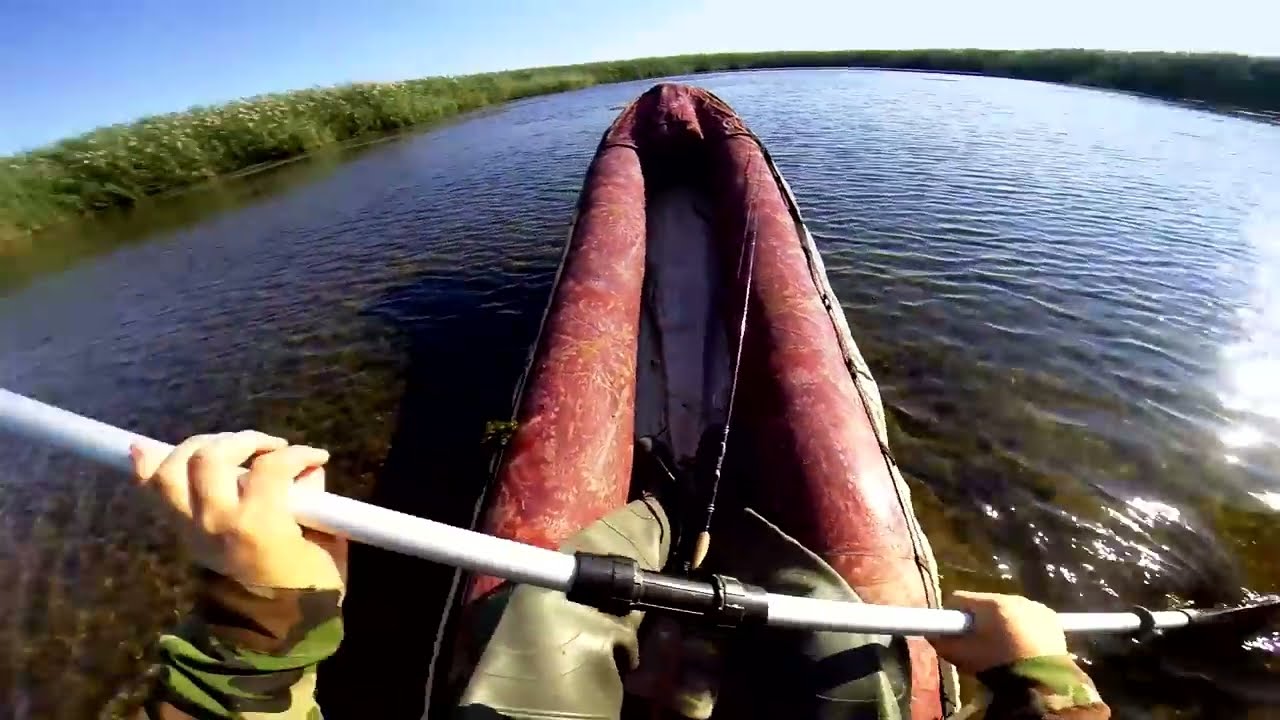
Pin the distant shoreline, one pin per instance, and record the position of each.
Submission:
(120, 165)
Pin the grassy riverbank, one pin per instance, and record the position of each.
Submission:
(121, 165)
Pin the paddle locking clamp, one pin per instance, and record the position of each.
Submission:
(617, 585)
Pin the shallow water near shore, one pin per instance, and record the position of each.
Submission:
(1069, 297)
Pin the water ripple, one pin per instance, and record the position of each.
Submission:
(1068, 297)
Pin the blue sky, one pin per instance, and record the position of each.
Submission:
(67, 66)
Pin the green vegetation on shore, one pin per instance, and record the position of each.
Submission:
(119, 166)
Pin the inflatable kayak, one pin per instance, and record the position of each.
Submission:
(691, 299)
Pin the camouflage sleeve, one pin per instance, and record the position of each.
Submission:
(1052, 687)
(246, 652)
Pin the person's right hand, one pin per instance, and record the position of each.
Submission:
(1006, 628)
(238, 523)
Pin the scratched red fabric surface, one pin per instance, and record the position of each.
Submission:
(568, 463)
(821, 474)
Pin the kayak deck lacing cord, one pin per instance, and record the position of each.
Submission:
(746, 264)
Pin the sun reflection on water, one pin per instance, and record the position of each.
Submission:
(1251, 365)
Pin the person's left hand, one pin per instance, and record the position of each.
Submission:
(238, 522)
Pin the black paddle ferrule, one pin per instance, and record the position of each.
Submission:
(617, 585)
(610, 583)
(1146, 623)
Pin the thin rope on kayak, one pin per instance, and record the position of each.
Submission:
(746, 269)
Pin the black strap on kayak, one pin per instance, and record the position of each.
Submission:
(1146, 623)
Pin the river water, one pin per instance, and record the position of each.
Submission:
(1069, 298)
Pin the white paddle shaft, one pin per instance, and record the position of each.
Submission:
(489, 555)
(362, 522)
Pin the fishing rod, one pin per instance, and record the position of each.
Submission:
(609, 583)
(746, 271)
